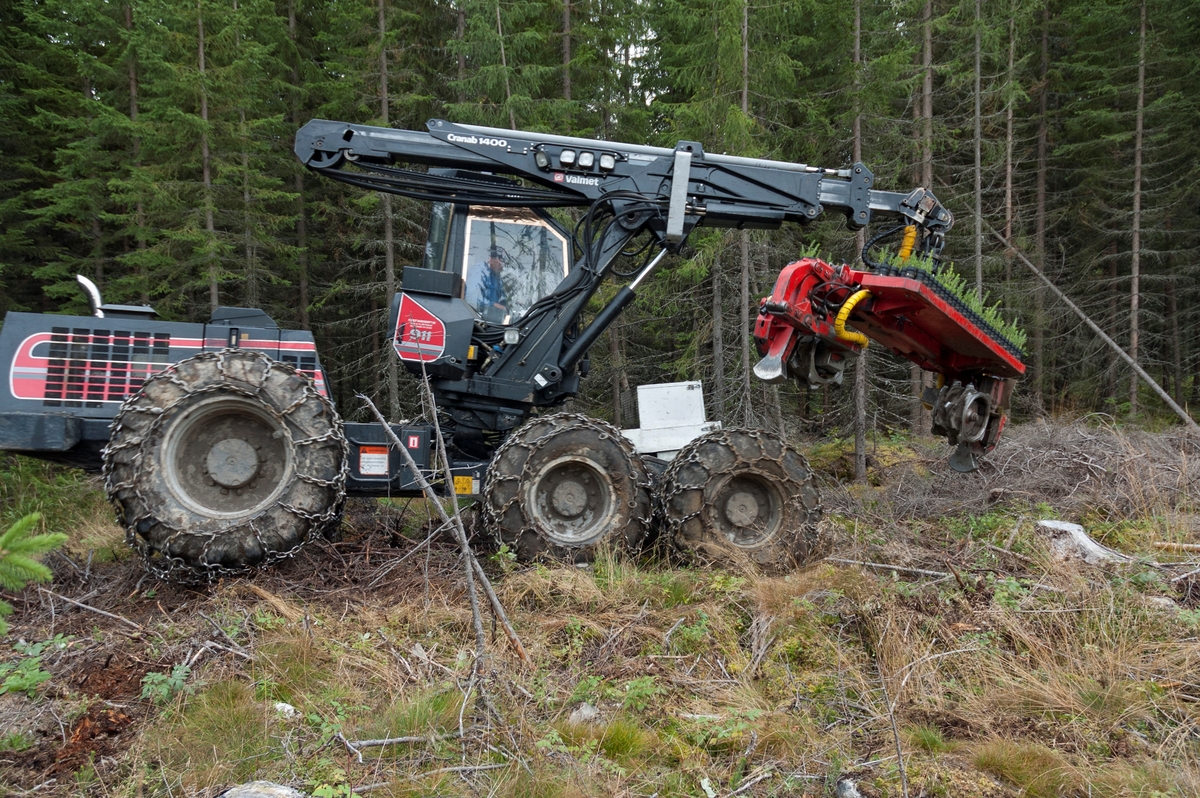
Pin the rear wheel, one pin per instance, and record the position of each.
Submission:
(737, 495)
(564, 485)
(225, 462)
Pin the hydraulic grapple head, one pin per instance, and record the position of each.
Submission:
(801, 333)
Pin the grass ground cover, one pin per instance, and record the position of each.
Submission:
(1005, 673)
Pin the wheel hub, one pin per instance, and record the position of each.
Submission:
(226, 457)
(741, 509)
(232, 463)
(571, 499)
(747, 509)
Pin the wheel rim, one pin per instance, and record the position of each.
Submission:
(572, 500)
(226, 457)
(747, 509)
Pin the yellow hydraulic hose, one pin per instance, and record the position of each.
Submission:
(906, 243)
(839, 324)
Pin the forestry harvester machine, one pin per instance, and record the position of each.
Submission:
(222, 452)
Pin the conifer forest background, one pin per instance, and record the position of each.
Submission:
(147, 145)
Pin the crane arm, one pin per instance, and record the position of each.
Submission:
(689, 187)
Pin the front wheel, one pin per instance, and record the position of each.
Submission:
(223, 463)
(735, 495)
(563, 486)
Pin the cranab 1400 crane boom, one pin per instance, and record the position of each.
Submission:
(224, 453)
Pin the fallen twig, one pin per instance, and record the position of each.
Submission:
(461, 769)
(472, 564)
(210, 644)
(1181, 577)
(751, 782)
(1162, 544)
(90, 608)
(456, 524)
(895, 731)
(1010, 553)
(885, 567)
(240, 650)
(667, 636)
(391, 566)
(498, 609)
(355, 746)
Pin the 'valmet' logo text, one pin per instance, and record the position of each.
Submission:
(584, 181)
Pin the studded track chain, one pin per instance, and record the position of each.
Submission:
(185, 546)
(514, 464)
(685, 491)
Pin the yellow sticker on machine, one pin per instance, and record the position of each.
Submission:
(464, 486)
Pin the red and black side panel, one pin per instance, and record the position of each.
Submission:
(86, 366)
(431, 333)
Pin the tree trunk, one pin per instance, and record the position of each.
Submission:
(1008, 153)
(251, 292)
(206, 166)
(1039, 292)
(391, 370)
(566, 50)
(920, 416)
(744, 248)
(512, 119)
(860, 366)
(978, 150)
(718, 340)
(1176, 341)
(745, 234)
(1110, 377)
(927, 96)
(1135, 261)
(139, 207)
(460, 32)
(614, 354)
(301, 212)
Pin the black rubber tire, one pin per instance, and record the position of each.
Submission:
(738, 496)
(225, 462)
(564, 486)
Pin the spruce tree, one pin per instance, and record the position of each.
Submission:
(19, 549)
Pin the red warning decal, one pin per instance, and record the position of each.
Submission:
(420, 335)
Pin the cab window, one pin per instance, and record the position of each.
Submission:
(511, 259)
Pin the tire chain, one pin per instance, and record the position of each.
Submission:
(559, 423)
(175, 568)
(669, 486)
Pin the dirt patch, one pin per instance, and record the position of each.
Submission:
(95, 735)
(112, 676)
(100, 732)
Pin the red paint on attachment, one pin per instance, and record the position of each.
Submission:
(903, 314)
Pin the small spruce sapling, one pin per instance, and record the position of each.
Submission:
(18, 548)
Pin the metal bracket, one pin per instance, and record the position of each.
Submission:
(680, 175)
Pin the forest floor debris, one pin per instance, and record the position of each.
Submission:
(945, 646)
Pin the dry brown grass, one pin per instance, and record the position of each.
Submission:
(998, 687)
(1086, 467)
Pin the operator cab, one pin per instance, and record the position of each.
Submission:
(506, 258)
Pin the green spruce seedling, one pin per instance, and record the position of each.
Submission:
(18, 567)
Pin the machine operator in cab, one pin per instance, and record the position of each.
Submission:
(485, 289)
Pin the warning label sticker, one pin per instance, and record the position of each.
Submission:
(373, 461)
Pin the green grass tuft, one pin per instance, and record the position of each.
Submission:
(222, 735)
(1036, 770)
